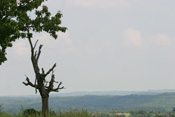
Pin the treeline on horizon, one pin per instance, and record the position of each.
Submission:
(163, 103)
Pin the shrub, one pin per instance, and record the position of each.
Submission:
(30, 111)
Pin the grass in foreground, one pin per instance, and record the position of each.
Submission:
(85, 113)
(70, 113)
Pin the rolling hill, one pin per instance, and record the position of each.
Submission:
(95, 103)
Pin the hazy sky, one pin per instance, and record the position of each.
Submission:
(110, 45)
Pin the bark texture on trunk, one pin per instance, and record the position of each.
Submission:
(45, 106)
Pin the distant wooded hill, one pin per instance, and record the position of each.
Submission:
(161, 102)
(149, 92)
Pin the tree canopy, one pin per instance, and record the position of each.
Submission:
(8, 26)
(15, 22)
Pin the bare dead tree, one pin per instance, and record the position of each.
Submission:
(41, 84)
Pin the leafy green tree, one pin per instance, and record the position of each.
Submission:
(16, 23)
(9, 31)
(50, 24)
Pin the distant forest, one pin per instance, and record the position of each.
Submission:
(164, 103)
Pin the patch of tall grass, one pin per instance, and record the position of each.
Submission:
(70, 113)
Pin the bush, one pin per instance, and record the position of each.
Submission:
(30, 111)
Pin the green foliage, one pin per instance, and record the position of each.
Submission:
(31, 112)
(8, 26)
(143, 113)
(34, 113)
(85, 113)
(16, 23)
(74, 113)
(1, 108)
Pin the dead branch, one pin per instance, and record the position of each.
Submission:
(51, 69)
(51, 84)
(43, 72)
(40, 82)
(29, 83)
(46, 84)
(58, 88)
(39, 52)
(34, 56)
(35, 44)
(31, 45)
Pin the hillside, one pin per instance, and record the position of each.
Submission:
(162, 102)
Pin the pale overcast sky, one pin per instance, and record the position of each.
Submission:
(110, 45)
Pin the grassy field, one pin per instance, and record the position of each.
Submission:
(70, 113)
(85, 113)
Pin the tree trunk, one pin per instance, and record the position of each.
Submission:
(40, 80)
(45, 106)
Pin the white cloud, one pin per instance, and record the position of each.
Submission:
(132, 37)
(163, 39)
(160, 39)
(99, 3)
